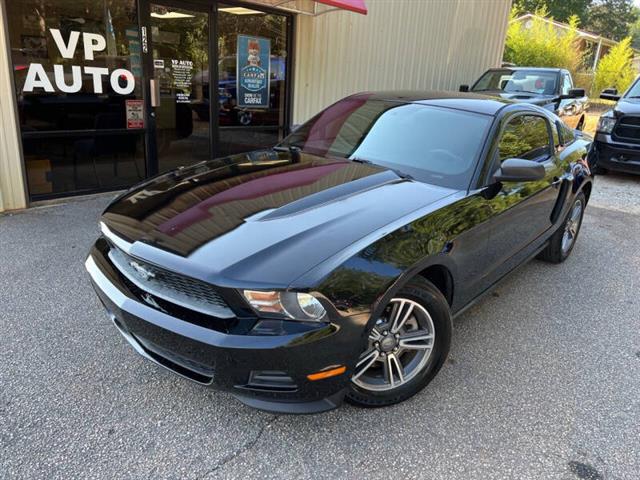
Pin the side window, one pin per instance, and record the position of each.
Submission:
(557, 143)
(567, 135)
(526, 137)
(566, 84)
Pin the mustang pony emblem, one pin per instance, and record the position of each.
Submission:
(143, 272)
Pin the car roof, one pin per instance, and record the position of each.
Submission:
(470, 102)
(534, 69)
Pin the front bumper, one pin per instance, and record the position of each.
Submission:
(616, 156)
(233, 362)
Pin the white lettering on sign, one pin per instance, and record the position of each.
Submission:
(127, 76)
(122, 81)
(93, 43)
(37, 78)
(67, 51)
(76, 77)
(97, 73)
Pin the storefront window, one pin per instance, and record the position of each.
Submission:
(252, 68)
(77, 69)
(180, 49)
(79, 83)
(81, 162)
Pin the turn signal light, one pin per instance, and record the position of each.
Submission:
(327, 373)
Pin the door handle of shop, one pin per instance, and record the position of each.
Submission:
(154, 89)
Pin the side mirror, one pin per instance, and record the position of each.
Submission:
(519, 170)
(610, 94)
(577, 93)
(574, 93)
(464, 88)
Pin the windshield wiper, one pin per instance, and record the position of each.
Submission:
(292, 149)
(364, 161)
(361, 160)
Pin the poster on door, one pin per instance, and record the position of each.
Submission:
(182, 72)
(135, 114)
(253, 67)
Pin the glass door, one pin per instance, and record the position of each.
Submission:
(217, 79)
(179, 46)
(253, 70)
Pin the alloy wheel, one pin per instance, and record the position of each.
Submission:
(572, 227)
(398, 348)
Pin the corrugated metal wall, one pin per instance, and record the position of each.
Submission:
(400, 44)
(12, 190)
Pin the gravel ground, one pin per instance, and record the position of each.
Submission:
(543, 380)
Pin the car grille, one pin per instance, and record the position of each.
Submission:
(170, 286)
(627, 129)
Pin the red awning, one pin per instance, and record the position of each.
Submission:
(357, 6)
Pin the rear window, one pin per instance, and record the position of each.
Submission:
(432, 144)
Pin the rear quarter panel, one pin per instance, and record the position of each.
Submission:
(574, 161)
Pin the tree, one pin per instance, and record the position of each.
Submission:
(611, 18)
(634, 32)
(561, 10)
(615, 69)
(541, 44)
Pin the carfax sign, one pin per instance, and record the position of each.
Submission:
(253, 67)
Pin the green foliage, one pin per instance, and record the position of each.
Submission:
(634, 32)
(611, 18)
(561, 10)
(615, 69)
(540, 44)
(521, 137)
(583, 80)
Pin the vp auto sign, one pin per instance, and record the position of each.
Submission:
(254, 69)
(122, 81)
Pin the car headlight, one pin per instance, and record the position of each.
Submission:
(292, 305)
(606, 123)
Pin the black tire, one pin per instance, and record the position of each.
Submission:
(431, 299)
(555, 252)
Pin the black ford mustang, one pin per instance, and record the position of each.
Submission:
(332, 265)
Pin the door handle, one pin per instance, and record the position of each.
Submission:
(154, 89)
(558, 180)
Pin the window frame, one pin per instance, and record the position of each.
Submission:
(550, 142)
(494, 158)
(566, 76)
(562, 127)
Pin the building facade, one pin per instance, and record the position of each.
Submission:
(96, 95)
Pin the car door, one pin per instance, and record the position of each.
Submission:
(569, 109)
(522, 211)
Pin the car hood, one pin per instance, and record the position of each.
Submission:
(262, 217)
(627, 106)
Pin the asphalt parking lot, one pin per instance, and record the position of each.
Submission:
(543, 380)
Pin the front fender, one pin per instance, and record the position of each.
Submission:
(454, 237)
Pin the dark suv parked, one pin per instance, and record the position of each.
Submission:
(617, 142)
(550, 88)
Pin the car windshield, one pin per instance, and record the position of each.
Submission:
(431, 144)
(514, 81)
(634, 90)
